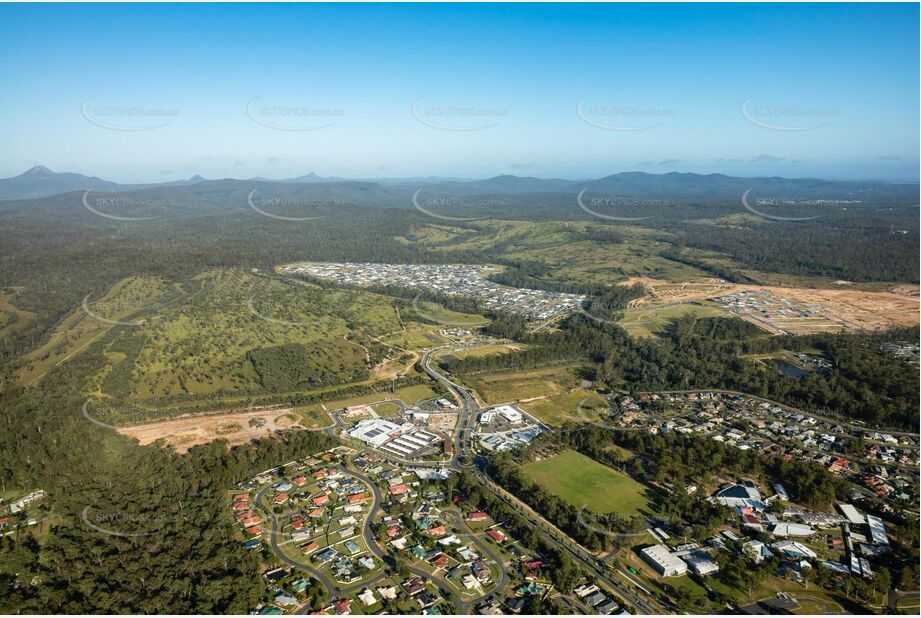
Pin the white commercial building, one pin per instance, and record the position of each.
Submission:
(794, 549)
(375, 431)
(738, 495)
(853, 515)
(701, 562)
(663, 561)
(792, 530)
(509, 413)
(878, 532)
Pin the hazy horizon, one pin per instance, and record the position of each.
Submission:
(445, 177)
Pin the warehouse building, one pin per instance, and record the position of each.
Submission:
(663, 561)
(701, 562)
(375, 431)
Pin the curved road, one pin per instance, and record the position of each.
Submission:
(589, 561)
(467, 413)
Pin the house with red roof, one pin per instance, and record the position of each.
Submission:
(439, 561)
(531, 569)
(310, 547)
(357, 498)
(438, 530)
(321, 500)
(342, 606)
(477, 516)
(280, 498)
(401, 488)
(496, 536)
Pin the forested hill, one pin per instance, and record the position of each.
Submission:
(42, 182)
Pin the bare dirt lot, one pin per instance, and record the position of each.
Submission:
(444, 423)
(827, 309)
(185, 432)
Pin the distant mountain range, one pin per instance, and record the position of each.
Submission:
(41, 182)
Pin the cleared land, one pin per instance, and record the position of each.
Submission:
(649, 320)
(479, 352)
(575, 406)
(565, 250)
(447, 318)
(582, 481)
(497, 388)
(829, 309)
(236, 427)
(408, 395)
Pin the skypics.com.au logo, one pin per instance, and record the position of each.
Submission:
(448, 207)
(107, 206)
(787, 118)
(292, 118)
(622, 118)
(127, 118)
(457, 118)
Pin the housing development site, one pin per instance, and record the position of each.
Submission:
(449, 279)
(785, 313)
(788, 310)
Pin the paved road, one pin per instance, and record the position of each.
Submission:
(337, 589)
(895, 596)
(464, 450)
(333, 587)
(483, 547)
(460, 605)
(463, 436)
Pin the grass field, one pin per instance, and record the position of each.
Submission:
(619, 451)
(564, 249)
(649, 320)
(574, 406)
(582, 481)
(447, 318)
(408, 395)
(313, 419)
(413, 337)
(497, 388)
(479, 352)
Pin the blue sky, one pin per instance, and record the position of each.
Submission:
(283, 90)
